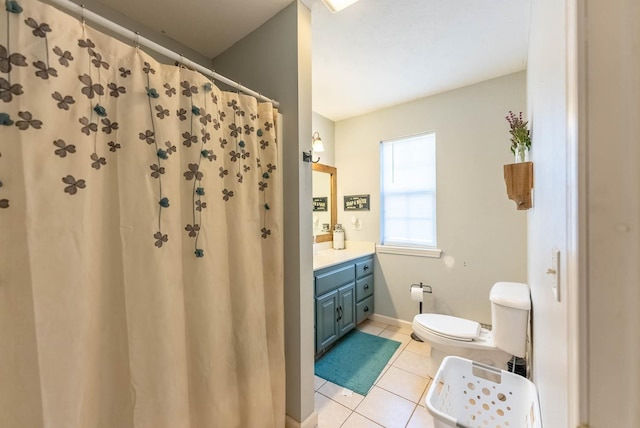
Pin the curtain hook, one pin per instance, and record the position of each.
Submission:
(137, 40)
(212, 79)
(82, 20)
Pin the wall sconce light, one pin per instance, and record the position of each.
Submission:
(316, 143)
(316, 146)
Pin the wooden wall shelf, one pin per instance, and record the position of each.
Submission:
(519, 180)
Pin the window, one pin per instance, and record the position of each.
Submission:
(408, 191)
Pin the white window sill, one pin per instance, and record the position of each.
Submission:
(409, 251)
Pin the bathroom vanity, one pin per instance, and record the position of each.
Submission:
(343, 282)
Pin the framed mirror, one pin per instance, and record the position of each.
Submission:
(325, 209)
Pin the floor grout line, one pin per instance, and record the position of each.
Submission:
(410, 372)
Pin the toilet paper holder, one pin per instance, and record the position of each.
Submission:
(425, 289)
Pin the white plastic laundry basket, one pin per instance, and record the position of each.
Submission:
(467, 394)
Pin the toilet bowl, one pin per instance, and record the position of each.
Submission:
(449, 335)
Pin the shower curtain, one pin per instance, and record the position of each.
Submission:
(140, 238)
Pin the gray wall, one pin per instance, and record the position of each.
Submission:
(276, 60)
(99, 8)
(482, 235)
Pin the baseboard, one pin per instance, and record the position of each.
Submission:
(310, 422)
(391, 321)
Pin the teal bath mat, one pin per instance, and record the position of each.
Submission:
(356, 361)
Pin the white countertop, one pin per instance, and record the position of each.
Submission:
(328, 257)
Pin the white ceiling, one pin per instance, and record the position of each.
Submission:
(371, 55)
(378, 53)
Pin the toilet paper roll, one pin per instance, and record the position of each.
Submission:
(416, 294)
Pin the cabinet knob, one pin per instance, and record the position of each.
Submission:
(366, 286)
(366, 308)
(365, 267)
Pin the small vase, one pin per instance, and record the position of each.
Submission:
(521, 153)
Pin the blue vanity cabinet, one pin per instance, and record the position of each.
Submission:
(343, 297)
(335, 303)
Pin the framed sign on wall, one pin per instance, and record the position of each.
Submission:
(320, 204)
(356, 203)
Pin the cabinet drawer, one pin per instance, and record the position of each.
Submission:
(364, 309)
(334, 279)
(364, 287)
(364, 268)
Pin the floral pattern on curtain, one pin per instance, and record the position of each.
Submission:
(140, 237)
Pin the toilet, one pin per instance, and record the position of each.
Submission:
(449, 335)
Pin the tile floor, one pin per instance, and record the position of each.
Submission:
(395, 400)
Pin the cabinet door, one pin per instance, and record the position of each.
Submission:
(347, 305)
(326, 320)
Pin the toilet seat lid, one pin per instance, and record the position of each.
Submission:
(448, 326)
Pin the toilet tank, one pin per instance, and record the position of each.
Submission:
(510, 306)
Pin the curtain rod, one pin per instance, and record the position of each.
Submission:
(87, 15)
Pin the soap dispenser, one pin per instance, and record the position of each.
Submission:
(338, 237)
